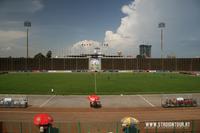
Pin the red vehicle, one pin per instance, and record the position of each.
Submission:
(94, 101)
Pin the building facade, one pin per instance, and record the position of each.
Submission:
(145, 51)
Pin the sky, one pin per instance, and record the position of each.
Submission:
(78, 26)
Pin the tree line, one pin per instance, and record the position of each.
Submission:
(40, 55)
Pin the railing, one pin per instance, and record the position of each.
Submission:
(186, 126)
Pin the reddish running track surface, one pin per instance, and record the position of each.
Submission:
(102, 115)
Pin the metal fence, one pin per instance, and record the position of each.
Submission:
(186, 126)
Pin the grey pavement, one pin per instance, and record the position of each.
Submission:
(108, 101)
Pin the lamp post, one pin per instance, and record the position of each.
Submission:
(161, 26)
(27, 24)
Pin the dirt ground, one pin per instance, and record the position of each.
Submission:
(105, 116)
(72, 114)
(102, 114)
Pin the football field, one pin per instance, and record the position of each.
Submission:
(100, 83)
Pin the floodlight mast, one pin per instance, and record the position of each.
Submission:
(27, 24)
(161, 26)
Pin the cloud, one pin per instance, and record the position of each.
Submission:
(191, 42)
(8, 39)
(5, 48)
(84, 46)
(140, 24)
(121, 40)
(21, 6)
(124, 37)
(6, 36)
(37, 5)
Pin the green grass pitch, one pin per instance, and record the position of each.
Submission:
(106, 83)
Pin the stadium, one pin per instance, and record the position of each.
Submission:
(127, 87)
(100, 85)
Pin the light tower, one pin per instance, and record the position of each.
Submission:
(27, 24)
(161, 26)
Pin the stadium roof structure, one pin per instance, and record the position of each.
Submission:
(93, 55)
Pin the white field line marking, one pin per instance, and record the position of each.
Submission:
(47, 101)
(95, 83)
(146, 100)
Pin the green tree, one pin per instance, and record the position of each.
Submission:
(49, 54)
(39, 56)
(139, 57)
